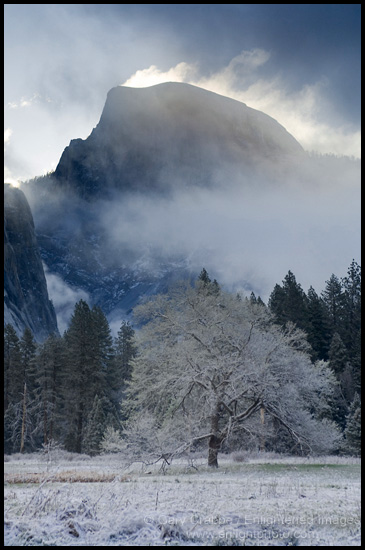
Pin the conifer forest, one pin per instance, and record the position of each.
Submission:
(198, 367)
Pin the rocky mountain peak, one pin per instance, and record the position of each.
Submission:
(152, 139)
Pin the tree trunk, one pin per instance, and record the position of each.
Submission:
(79, 428)
(215, 440)
(213, 450)
(24, 418)
(45, 420)
(262, 438)
(45, 423)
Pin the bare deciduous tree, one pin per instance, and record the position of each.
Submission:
(208, 362)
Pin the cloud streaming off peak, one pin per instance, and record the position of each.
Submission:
(298, 111)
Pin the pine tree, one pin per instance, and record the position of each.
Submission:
(353, 427)
(318, 328)
(343, 302)
(253, 298)
(79, 386)
(103, 352)
(338, 356)
(20, 415)
(289, 303)
(125, 352)
(12, 389)
(351, 333)
(28, 347)
(254, 301)
(204, 277)
(211, 287)
(333, 299)
(338, 361)
(12, 366)
(94, 428)
(296, 302)
(19, 362)
(276, 304)
(50, 378)
(90, 360)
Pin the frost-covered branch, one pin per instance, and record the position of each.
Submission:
(207, 364)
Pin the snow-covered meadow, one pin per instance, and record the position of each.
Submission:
(261, 500)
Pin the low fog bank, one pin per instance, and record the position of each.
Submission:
(246, 235)
(247, 239)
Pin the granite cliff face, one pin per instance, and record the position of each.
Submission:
(26, 301)
(169, 135)
(150, 145)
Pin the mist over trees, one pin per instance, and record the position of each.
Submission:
(205, 369)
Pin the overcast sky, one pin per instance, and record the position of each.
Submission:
(298, 63)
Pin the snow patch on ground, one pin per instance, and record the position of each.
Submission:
(272, 502)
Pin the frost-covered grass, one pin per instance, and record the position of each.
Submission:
(263, 500)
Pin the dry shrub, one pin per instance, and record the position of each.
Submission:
(68, 476)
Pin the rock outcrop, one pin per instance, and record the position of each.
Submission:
(26, 301)
(172, 135)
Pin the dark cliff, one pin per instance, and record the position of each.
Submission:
(26, 301)
(171, 135)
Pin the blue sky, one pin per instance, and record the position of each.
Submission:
(299, 63)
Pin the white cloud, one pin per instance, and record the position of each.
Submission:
(7, 134)
(183, 72)
(63, 297)
(8, 176)
(298, 111)
(23, 102)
